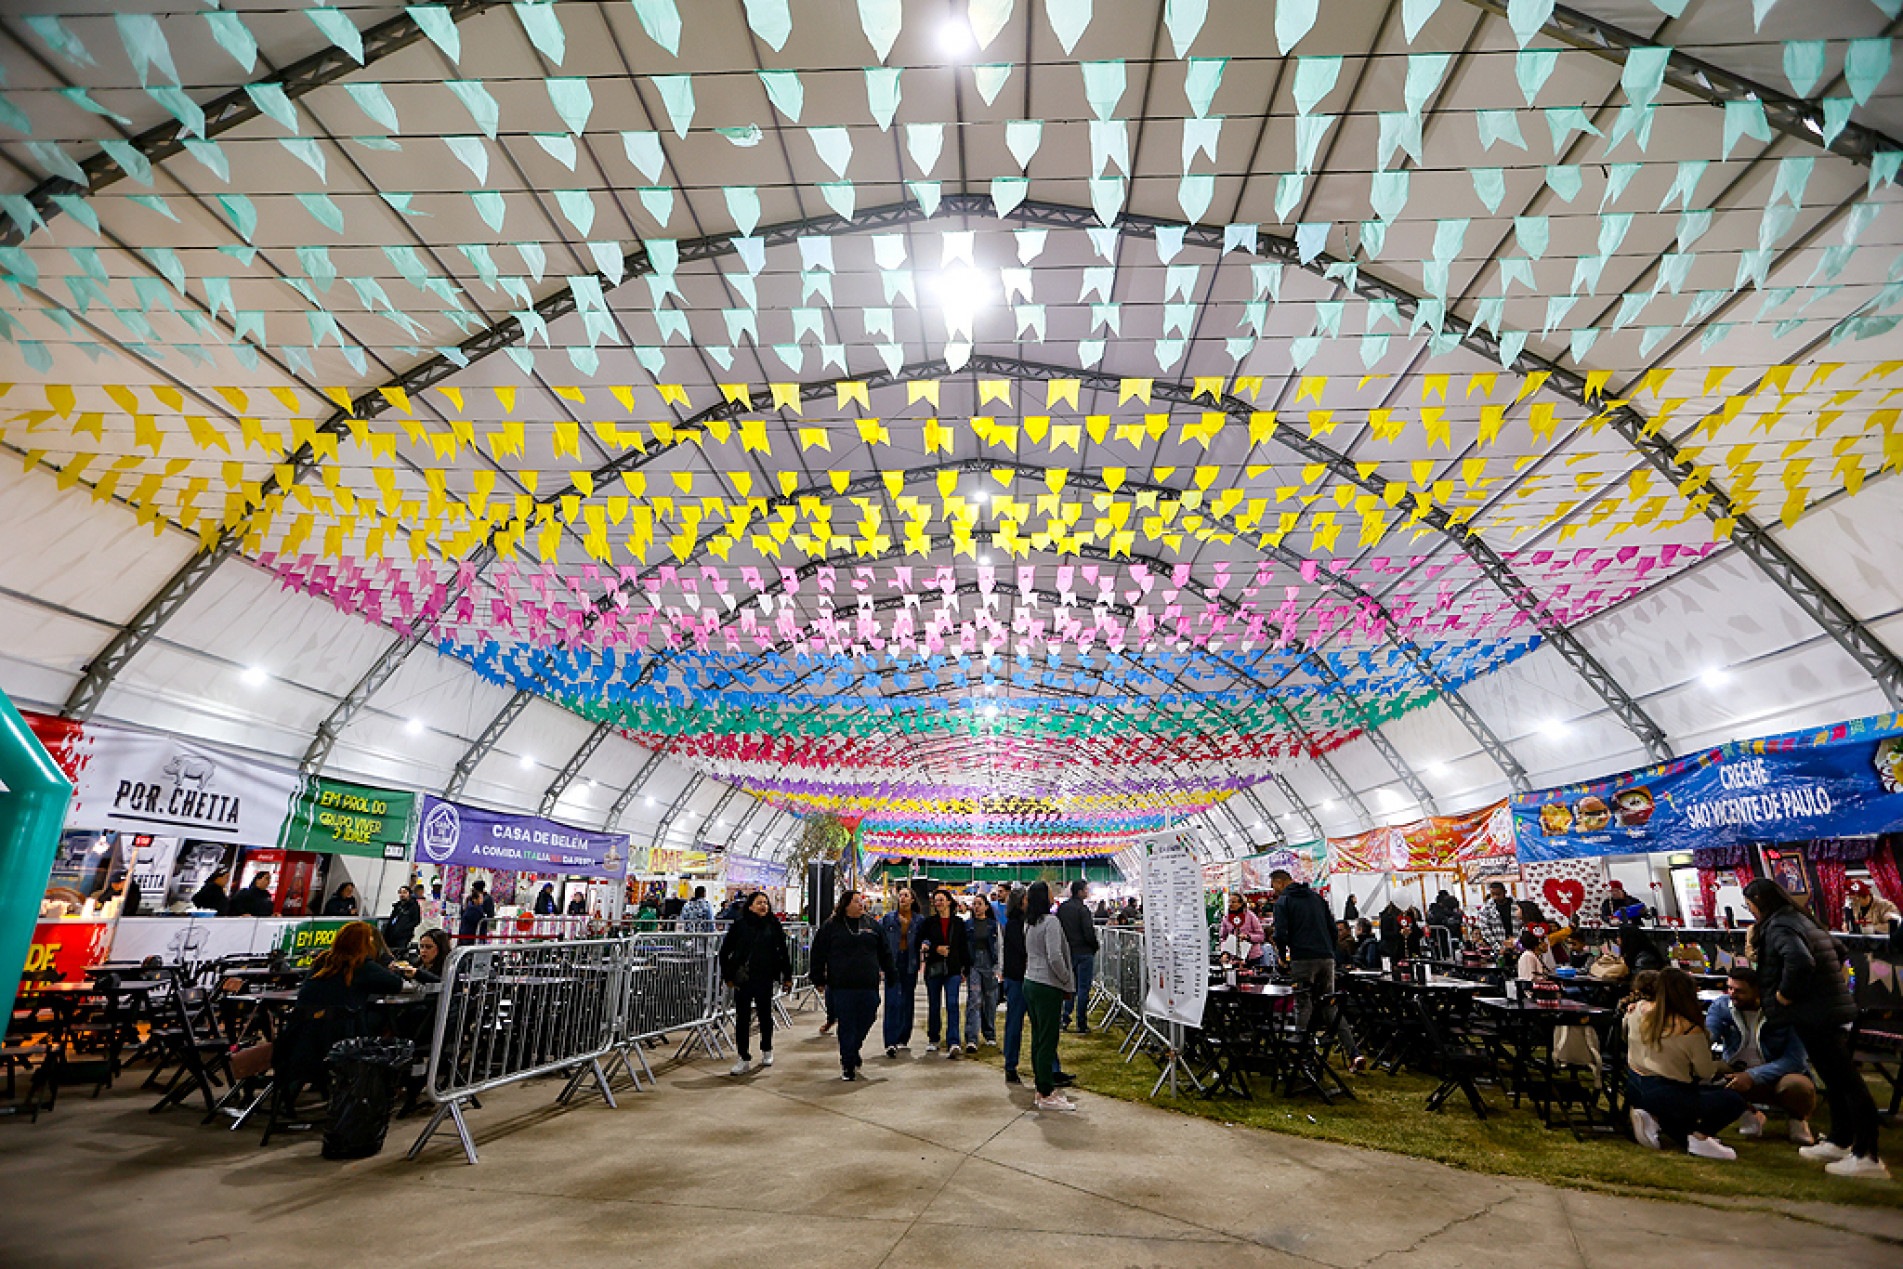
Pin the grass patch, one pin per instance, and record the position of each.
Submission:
(1389, 1113)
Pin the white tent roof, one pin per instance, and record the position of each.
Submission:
(1497, 398)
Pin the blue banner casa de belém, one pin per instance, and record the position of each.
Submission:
(1845, 780)
(451, 833)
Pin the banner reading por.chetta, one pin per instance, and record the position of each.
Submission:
(149, 782)
(1840, 781)
(1438, 843)
(348, 819)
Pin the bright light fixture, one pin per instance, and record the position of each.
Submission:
(1437, 769)
(650, 801)
(256, 676)
(527, 761)
(955, 38)
(414, 727)
(1554, 727)
(991, 711)
(980, 496)
(1390, 798)
(1717, 676)
(984, 559)
(1329, 805)
(589, 783)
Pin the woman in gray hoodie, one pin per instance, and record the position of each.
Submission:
(1048, 982)
(984, 941)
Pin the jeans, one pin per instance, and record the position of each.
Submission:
(1685, 1109)
(855, 1008)
(943, 990)
(753, 997)
(1853, 1113)
(981, 1005)
(1043, 1003)
(1083, 967)
(1318, 975)
(901, 1002)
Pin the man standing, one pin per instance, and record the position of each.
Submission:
(1305, 935)
(1081, 932)
(1616, 902)
(1497, 922)
(697, 915)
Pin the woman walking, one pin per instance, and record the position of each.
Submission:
(946, 958)
(900, 929)
(753, 957)
(1048, 982)
(984, 940)
(1805, 988)
(849, 958)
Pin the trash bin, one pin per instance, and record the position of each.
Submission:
(365, 1076)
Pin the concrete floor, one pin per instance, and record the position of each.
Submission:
(926, 1162)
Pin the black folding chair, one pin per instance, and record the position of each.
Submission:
(1876, 1041)
(191, 1042)
(1462, 1060)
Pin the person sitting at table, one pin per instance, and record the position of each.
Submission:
(1344, 945)
(343, 901)
(1767, 1060)
(545, 900)
(1536, 963)
(255, 899)
(332, 1005)
(1245, 927)
(432, 952)
(1668, 1068)
(211, 896)
(1616, 902)
(1367, 946)
(477, 908)
(1635, 945)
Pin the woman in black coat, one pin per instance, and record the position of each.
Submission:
(343, 901)
(1802, 969)
(405, 915)
(211, 896)
(849, 959)
(753, 957)
(945, 955)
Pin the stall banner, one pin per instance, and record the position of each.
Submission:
(67, 948)
(341, 818)
(1176, 929)
(1567, 888)
(1307, 862)
(148, 782)
(304, 942)
(452, 833)
(754, 873)
(1841, 781)
(1437, 843)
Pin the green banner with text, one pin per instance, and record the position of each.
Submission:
(349, 819)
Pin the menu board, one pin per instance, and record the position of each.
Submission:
(1176, 930)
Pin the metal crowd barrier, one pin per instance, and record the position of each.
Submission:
(671, 983)
(1120, 988)
(512, 1012)
(525, 928)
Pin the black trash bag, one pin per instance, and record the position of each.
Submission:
(365, 1077)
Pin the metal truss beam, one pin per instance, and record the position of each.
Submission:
(713, 816)
(572, 768)
(753, 809)
(1278, 837)
(485, 743)
(1294, 799)
(625, 798)
(674, 807)
(237, 107)
(1371, 730)
(1793, 116)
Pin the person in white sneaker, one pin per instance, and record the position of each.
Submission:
(1669, 1064)
(753, 957)
(1767, 1061)
(1802, 970)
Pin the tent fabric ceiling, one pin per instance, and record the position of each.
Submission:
(1017, 446)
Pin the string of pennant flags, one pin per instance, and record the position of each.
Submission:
(986, 613)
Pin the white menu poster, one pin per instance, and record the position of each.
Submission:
(1175, 929)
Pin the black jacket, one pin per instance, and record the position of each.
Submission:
(251, 902)
(339, 905)
(1304, 928)
(211, 897)
(754, 951)
(1014, 953)
(545, 903)
(850, 955)
(469, 920)
(1798, 959)
(329, 1010)
(1368, 952)
(955, 963)
(1079, 930)
(405, 916)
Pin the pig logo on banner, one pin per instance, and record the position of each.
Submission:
(190, 768)
(442, 830)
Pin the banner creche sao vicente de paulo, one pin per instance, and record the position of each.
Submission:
(1845, 780)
